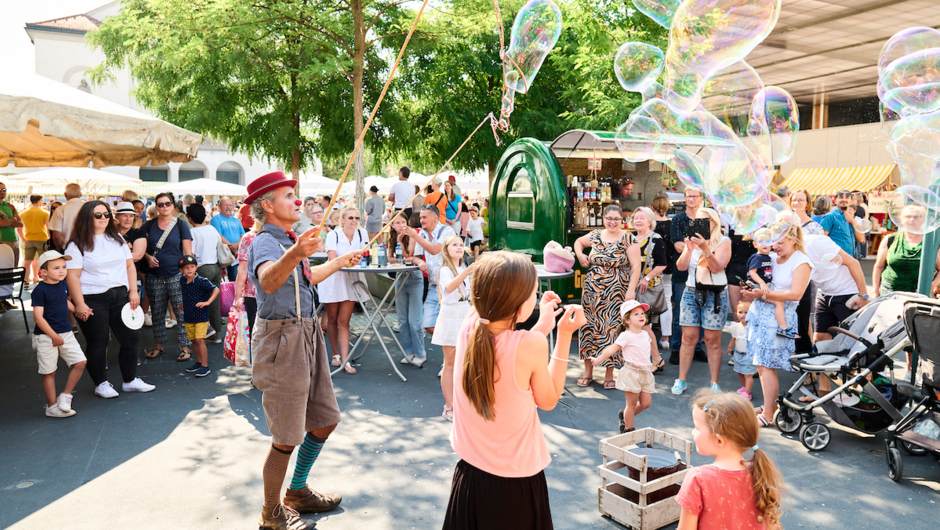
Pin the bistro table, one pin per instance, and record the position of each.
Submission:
(547, 277)
(381, 309)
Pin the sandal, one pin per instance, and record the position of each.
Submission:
(610, 385)
(337, 361)
(584, 380)
(448, 413)
(348, 368)
(764, 422)
(788, 333)
(661, 367)
(154, 353)
(184, 356)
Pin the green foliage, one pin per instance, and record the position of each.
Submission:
(453, 79)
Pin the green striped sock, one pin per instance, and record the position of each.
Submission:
(309, 451)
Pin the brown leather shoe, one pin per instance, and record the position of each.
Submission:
(280, 517)
(306, 500)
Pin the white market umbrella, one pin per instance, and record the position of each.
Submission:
(44, 123)
(92, 181)
(317, 185)
(205, 186)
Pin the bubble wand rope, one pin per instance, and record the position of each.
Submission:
(489, 118)
(375, 109)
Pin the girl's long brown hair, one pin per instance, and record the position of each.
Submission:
(83, 233)
(502, 282)
(732, 417)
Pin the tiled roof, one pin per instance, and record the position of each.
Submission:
(73, 23)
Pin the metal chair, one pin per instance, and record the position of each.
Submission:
(11, 277)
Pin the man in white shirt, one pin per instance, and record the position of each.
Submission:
(64, 216)
(430, 244)
(402, 192)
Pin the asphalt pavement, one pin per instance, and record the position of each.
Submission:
(189, 454)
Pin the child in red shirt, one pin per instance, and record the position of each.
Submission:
(741, 489)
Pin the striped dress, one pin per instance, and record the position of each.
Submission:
(604, 291)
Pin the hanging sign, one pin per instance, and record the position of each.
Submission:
(877, 202)
(594, 164)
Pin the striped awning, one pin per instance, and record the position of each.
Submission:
(831, 180)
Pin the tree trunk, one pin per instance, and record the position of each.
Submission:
(358, 67)
(295, 155)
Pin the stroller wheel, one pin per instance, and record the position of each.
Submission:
(815, 436)
(895, 465)
(913, 449)
(788, 420)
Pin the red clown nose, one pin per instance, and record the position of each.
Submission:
(299, 202)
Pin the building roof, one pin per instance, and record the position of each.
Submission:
(832, 47)
(79, 24)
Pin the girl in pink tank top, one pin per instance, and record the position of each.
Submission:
(501, 376)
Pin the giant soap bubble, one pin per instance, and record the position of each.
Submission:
(774, 122)
(915, 209)
(534, 33)
(909, 71)
(661, 11)
(637, 65)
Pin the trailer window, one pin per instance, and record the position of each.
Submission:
(520, 202)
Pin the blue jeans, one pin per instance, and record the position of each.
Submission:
(410, 310)
(232, 271)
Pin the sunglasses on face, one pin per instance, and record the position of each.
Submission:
(3, 190)
(164, 204)
(99, 215)
(844, 194)
(613, 219)
(353, 218)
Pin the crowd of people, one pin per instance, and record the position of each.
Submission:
(672, 284)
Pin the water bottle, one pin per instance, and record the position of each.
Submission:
(365, 259)
(383, 255)
(375, 254)
(399, 259)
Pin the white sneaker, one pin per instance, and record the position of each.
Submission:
(441, 373)
(407, 359)
(55, 412)
(170, 324)
(418, 361)
(147, 320)
(137, 386)
(106, 391)
(64, 402)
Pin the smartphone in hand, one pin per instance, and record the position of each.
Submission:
(703, 227)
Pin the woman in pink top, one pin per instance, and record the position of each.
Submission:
(500, 377)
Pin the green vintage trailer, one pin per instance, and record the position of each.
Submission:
(532, 203)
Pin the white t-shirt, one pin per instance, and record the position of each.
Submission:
(205, 241)
(462, 290)
(738, 332)
(836, 281)
(63, 218)
(441, 233)
(475, 229)
(783, 273)
(404, 191)
(693, 262)
(103, 268)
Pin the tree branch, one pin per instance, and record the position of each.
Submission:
(377, 15)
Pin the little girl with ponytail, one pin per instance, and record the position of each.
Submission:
(741, 489)
(501, 377)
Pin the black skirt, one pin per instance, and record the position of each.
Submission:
(482, 501)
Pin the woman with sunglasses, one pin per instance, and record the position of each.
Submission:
(100, 275)
(174, 240)
(336, 292)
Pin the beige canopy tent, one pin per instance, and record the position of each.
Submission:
(44, 123)
(207, 187)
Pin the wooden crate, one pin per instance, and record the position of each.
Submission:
(612, 496)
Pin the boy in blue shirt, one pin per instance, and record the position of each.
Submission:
(52, 336)
(198, 295)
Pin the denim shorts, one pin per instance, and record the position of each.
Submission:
(695, 316)
(744, 363)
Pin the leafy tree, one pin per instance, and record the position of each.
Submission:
(454, 78)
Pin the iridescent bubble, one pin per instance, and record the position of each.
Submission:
(706, 36)
(774, 123)
(638, 64)
(661, 11)
(830, 261)
(863, 226)
(915, 209)
(908, 71)
(534, 33)
(729, 94)
(780, 220)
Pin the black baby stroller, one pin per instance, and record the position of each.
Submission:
(919, 431)
(867, 400)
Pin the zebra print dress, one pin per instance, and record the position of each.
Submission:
(604, 291)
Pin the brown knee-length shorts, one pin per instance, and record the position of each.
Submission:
(290, 366)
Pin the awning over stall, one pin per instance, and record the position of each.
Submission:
(829, 181)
